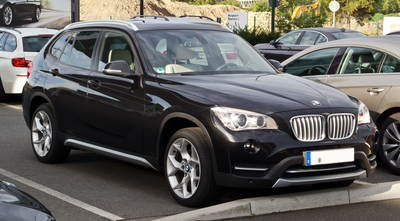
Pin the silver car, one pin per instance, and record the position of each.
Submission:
(366, 68)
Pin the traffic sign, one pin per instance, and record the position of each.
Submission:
(334, 6)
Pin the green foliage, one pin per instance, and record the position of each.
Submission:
(381, 16)
(256, 35)
(356, 8)
(261, 6)
(387, 6)
(306, 20)
(229, 2)
(45, 3)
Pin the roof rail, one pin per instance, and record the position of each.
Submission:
(196, 16)
(150, 16)
(111, 22)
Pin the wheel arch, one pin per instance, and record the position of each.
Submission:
(37, 99)
(387, 113)
(174, 122)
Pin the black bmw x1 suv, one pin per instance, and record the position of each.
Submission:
(188, 97)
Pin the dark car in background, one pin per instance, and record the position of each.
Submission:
(16, 205)
(394, 33)
(11, 10)
(136, 90)
(366, 68)
(298, 40)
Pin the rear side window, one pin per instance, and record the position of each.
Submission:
(11, 43)
(58, 47)
(34, 43)
(81, 54)
(342, 35)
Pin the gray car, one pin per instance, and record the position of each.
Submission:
(367, 68)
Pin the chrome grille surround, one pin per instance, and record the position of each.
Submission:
(308, 127)
(341, 126)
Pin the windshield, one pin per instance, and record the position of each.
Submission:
(200, 52)
(342, 35)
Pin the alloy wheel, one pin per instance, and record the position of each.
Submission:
(41, 133)
(183, 168)
(7, 16)
(391, 144)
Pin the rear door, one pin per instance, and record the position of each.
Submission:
(72, 66)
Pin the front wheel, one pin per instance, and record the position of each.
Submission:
(188, 168)
(44, 136)
(389, 143)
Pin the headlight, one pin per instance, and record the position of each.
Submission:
(363, 114)
(237, 120)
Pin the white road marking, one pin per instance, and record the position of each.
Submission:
(362, 182)
(61, 196)
(15, 107)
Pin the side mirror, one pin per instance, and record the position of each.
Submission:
(272, 42)
(118, 68)
(276, 64)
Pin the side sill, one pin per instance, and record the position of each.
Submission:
(111, 153)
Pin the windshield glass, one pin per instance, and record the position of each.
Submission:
(200, 52)
(342, 35)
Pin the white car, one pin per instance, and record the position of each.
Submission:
(18, 47)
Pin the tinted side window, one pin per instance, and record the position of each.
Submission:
(58, 47)
(66, 53)
(81, 54)
(315, 63)
(290, 39)
(11, 43)
(391, 64)
(360, 60)
(309, 38)
(321, 39)
(115, 47)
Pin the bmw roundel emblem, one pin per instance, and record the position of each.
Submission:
(187, 168)
(316, 103)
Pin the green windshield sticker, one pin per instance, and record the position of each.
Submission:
(160, 70)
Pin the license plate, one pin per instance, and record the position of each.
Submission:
(321, 157)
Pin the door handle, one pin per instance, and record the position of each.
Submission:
(375, 90)
(54, 72)
(94, 83)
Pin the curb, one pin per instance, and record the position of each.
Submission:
(292, 202)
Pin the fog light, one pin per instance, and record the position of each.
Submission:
(251, 146)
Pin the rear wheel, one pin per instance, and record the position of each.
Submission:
(44, 136)
(36, 15)
(188, 168)
(389, 143)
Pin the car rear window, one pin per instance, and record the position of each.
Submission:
(343, 35)
(34, 43)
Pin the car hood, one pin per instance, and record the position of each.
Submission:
(18, 205)
(267, 93)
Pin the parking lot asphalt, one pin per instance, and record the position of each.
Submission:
(292, 202)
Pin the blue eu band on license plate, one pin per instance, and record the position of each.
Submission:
(322, 157)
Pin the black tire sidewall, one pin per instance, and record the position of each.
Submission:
(34, 18)
(391, 119)
(196, 137)
(51, 156)
(2, 16)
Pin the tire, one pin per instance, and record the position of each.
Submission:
(389, 143)
(3, 96)
(36, 15)
(45, 145)
(7, 15)
(188, 170)
(343, 183)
